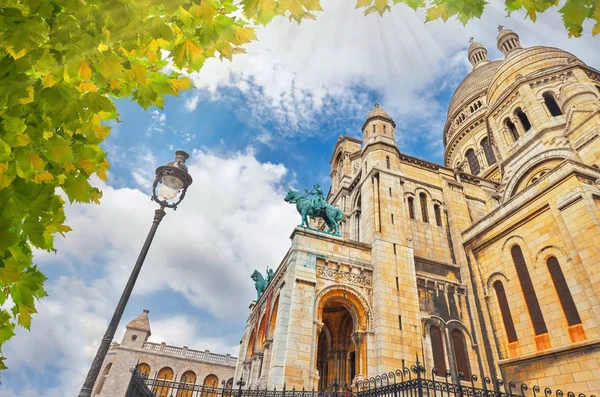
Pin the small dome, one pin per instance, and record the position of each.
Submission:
(508, 41)
(477, 54)
(378, 112)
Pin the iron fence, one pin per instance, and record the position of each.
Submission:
(415, 381)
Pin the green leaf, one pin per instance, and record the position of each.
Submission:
(35, 231)
(58, 150)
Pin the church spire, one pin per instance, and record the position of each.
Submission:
(477, 54)
(508, 41)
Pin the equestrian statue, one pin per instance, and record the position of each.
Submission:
(312, 204)
(259, 283)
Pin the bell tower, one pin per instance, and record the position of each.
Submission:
(378, 127)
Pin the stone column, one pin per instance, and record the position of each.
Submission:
(264, 373)
(358, 339)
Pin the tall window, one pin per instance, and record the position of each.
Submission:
(437, 346)
(488, 151)
(384, 129)
(424, 215)
(512, 129)
(438, 214)
(473, 163)
(161, 389)
(211, 382)
(562, 289)
(411, 207)
(460, 353)
(509, 326)
(533, 306)
(103, 378)
(523, 119)
(551, 104)
(373, 129)
(387, 162)
(187, 389)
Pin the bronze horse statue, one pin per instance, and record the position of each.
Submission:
(307, 207)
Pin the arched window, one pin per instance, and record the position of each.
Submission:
(143, 369)
(564, 294)
(512, 129)
(437, 346)
(598, 87)
(411, 207)
(460, 353)
(551, 104)
(103, 378)
(387, 162)
(161, 389)
(187, 388)
(533, 306)
(424, 213)
(488, 151)
(523, 119)
(509, 326)
(384, 130)
(210, 385)
(473, 162)
(373, 129)
(438, 215)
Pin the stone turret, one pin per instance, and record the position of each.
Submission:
(137, 331)
(378, 127)
(477, 54)
(508, 41)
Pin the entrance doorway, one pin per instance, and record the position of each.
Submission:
(336, 356)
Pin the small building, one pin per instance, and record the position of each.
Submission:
(161, 361)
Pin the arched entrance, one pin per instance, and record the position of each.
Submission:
(341, 346)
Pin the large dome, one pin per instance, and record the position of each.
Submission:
(475, 83)
(525, 63)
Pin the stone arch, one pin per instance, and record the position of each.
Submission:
(251, 343)
(273, 317)
(495, 277)
(551, 250)
(359, 308)
(525, 168)
(453, 324)
(515, 240)
(262, 331)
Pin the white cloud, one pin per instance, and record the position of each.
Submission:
(233, 220)
(295, 73)
(159, 121)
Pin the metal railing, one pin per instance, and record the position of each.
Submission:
(415, 381)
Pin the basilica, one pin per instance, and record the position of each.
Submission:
(487, 264)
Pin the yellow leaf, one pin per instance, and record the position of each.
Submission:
(243, 35)
(102, 47)
(37, 162)
(43, 177)
(596, 29)
(87, 86)
(189, 53)
(84, 71)
(69, 168)
(61, 179)
(48, 134)
(22, 140)
(16, 55)
(180, 84)
(88, 166)
(102, 168)
(363, 3)
(439, 11)
(28, 98)
(101, 132)
(114, 84)
(139, 73)
(48, 80)
(205, 11)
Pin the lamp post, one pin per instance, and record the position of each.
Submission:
(174, 180)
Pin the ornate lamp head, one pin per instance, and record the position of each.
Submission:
(174, 179)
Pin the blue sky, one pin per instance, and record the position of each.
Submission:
(254, 127)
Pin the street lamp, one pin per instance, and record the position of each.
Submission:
(174, 179)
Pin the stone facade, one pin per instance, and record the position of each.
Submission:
(489, 264)
(160, 360)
